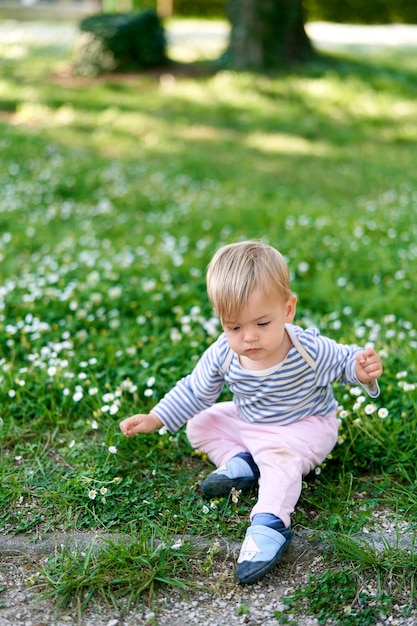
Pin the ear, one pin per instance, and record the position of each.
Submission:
(290, 308)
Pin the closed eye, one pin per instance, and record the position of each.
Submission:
(263, 323)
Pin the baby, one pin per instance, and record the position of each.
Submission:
(282, 421)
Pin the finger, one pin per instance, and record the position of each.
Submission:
(370, 367)
(361, 358)
(127, 427)
(369, 353)
(125, 430)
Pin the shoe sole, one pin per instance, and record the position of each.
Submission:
(222, 486)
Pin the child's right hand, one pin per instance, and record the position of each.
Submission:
(141, 423)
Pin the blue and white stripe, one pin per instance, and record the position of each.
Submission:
(290, 391)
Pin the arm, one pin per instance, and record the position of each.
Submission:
(346, 364)
(192, 394)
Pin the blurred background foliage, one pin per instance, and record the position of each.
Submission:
(350, 11)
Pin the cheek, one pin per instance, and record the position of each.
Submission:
(231, 340)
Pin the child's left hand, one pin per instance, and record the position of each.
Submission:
(368, 365)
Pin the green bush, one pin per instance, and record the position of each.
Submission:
(120, 42)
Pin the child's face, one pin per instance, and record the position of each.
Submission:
(259, 336)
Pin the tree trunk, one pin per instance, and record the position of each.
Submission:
(267, 34)
(165, 8)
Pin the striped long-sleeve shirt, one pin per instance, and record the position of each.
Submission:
(291, 390)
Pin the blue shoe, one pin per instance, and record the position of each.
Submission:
(261, 550)
(239, 473)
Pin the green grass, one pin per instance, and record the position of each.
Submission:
(346, 595)
(119, 569)
(114, 194)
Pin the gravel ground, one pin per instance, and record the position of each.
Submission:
(220, 600)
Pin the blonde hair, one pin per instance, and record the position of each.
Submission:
(238, 268)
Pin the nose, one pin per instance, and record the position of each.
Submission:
(251, 335)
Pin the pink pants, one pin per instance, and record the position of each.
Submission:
(283, 454)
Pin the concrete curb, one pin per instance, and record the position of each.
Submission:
(306, 544)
